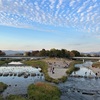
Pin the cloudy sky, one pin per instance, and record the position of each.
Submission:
(38, 24)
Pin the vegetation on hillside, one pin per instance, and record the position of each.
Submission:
(63, 53)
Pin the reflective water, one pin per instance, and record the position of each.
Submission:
(18, 69)
(19, 84)
(81, 88)
(84, 69)
(84, 72)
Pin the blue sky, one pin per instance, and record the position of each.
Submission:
(38, 24)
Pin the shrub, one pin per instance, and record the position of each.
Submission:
(1, 98)
(2, 87)
(72, 68)
(15, 97)
(44, 66)
(43, 91)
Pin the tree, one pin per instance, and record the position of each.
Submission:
(2, 53)
(35, 53)
(27, 54)
(43, 52)
(53, 53)
(68, 54)
(76, 53)
(63, 53)
(72, 54)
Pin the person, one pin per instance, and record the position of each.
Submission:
(53, 70)
(74, 72)
(90, 72)
(96, 74)
(85, 73)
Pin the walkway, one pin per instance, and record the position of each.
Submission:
(60, 67)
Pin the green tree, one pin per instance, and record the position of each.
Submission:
(43, 52)
(2, 53)
(63, 53)
(35, 53)
(67, 54)
(72, 54)
(53, 53)
(76, 53)
(27, 54)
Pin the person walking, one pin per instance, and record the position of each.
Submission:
(53, 70)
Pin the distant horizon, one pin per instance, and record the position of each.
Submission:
(49, 49)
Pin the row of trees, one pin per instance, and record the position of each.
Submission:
(54, 53)
(2, 53)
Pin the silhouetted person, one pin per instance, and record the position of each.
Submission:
(53, 70)
(96, 74)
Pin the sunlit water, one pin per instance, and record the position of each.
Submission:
(18, 69)
(81, 88)
(19, 85)
(84, 72)
(84, 69)
(72, 89)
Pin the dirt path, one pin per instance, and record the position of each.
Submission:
(59, 65)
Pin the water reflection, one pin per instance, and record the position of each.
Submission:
(84, 72)
(18, 85)
(81, 88)
(18, 69)
(84, 69)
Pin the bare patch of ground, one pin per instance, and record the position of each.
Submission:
(57, 67)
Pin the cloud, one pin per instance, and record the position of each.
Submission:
(79, 14)
(0, 2)
(72, 3)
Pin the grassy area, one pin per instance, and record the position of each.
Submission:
(43, 91)
(2, 87)
(96, 64)
(1, 98)
(44, 66)
(72, 68)
(2, 63)
(37, 91)
(5, 62)
(15, 97)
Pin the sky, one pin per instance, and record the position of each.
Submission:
(59, 24)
